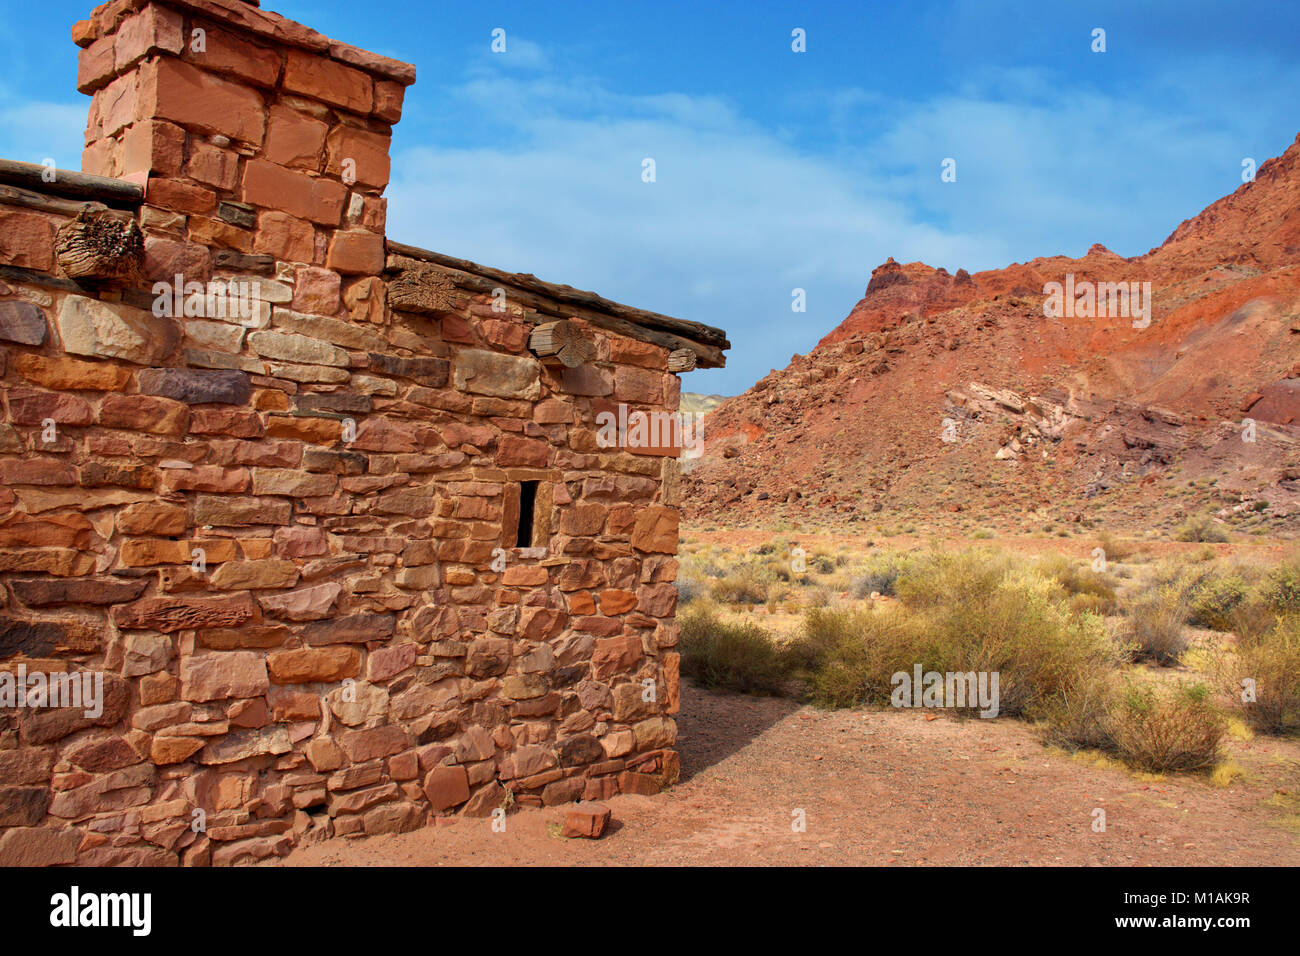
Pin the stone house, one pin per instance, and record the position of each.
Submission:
(321, 528)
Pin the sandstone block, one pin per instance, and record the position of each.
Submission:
(112, 330)
(491, 373)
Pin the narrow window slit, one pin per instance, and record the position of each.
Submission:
(527, 505)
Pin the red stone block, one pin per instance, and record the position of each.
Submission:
(625, 351)
(638, 385)
(446, 787)
(118, 104)
(96, 66)
(234, 55)
(323, 79)
(523, 451)
(151, 146)
(175, 90)
(388, 100)
(586, 820)
(31, 407)
(214, 166)
(294, 139)
(236, 422)
(367, 151)
(36, 471)
(27, 240)
(100, 158)
(164, 259)
(356, 252)
(161, 416)
(154, 29)
(510, 336)
(84, 33)
(274, 187)
(316, 291)
(180, 197)
(639, 783)
(286, 237)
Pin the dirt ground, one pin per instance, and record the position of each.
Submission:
(881, 788)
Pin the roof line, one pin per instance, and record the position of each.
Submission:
(695, 331)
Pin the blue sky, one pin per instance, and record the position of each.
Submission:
(775, 170)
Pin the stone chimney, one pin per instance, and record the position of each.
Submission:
(254, 137)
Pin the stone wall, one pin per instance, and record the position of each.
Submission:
(288, 538)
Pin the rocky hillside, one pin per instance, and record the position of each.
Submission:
(953, 400)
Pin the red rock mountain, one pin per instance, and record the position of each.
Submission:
(954, 400)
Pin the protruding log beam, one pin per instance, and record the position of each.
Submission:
(681, 360)
(64, 182)
(419, 288)
(564, 340)
(100, 246)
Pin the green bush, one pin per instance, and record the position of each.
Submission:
(740, 657)
(1078, 579)
(849, 657)
(1168, 728)
(1272, 662)
(1202, 529)
(1213, 601)
(1156, 728)
(1280, 590)
(1155, 625)
(965, 611)
(1081, 715)
(939, 578)
(746, 584)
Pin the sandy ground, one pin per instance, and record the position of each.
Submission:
(881, 788)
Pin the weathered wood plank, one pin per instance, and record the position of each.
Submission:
(113, 192)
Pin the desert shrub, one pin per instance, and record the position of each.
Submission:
(1272, 662)
(937, 578)
(1020, 629)
(968, 611)
(688, 590)
(849, 657)
(740, 657)
(1080, 717)
(1079, 580)
(1092, 604)
(822, 563)
(1212, 601)
(745, 584)
(879, 574)
(1155, 624)
(1167, 728)
(1201, 528)
(1280, 589)
(1116, 549)
(819, 597)
(1156, 728)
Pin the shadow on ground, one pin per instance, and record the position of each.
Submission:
(712, 725)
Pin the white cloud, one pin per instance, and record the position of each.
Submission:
(735, 220)
(33, 132)
(740, 214)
